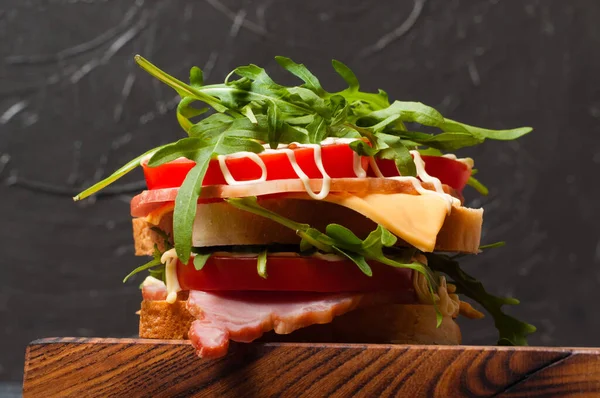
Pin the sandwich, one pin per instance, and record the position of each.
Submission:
(291, 213)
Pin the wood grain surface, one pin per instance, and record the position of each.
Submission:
(75, 367)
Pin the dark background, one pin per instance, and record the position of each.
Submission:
(73, 107)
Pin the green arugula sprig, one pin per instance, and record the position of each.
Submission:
(511, 330)
(155, 262)
(155, 267)
(251, 109)
(340, 240)
(475, 184)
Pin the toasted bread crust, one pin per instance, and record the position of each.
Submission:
(161, 320)
(395, 323)
(225, 225)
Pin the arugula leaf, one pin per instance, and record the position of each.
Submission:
(445, 141)
(190, 148)
(339, 109)
(185, 204)
(401, 155)
(410, 112)
(511, 330)
(132, 164)
(274, 125)
(307, 97)
(182, 89)
(196, 77)
(363, 149)
(155, 262)
(247, 111)
(479, 187)
(346, 74)
(503, 135)
(356, 259)
(158, 273)
(211, 126)
(342, 234)
(299, 70)
(316, 130)
(492, 245)
(261, 264)
(185, 112)
(433, 152)
(200, 260)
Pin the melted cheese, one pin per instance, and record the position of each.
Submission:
(155, 216)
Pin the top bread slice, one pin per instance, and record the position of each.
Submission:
(224, 225)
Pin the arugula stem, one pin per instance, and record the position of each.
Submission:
(132, 164)
(151, 264)
(249, 204)
(221, 90)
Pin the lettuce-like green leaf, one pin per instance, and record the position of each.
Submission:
(511, 330)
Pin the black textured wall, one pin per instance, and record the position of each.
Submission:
(73, 107)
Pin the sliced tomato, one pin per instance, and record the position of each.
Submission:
(337, 161)
(303, 274)
(449, 171)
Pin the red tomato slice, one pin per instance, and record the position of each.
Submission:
(450, 172)
(302, 274)
(337, 161)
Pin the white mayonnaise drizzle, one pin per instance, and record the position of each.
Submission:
(467, 161)
(376, 170)
(250, 155)
(437, 184)
(420, 165)
(326, 179)
(169, 258)
(356, 158)
(357, 164)
(303, 177)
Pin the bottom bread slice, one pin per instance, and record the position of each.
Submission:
(393, 323)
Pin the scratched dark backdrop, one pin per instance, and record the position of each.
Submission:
(73, 107)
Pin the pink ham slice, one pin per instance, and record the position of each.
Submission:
(244, 317)
(155, 291)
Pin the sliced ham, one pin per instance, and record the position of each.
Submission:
(154, 289)
(244, 317)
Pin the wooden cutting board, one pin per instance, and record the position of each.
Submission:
(90, 367)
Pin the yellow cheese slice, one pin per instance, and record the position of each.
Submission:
(155, 216)
(417, 219)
